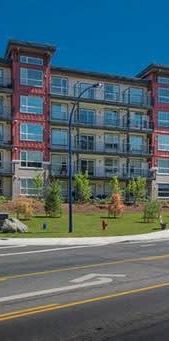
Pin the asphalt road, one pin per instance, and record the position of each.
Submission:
(112, 292)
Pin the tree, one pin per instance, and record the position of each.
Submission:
(116, 207)
(151, 211)
(115, 185)
(137, 187)
(38, 183)
(53, 199)
(83, 187)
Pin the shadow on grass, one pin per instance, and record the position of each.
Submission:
(156, 229)
(105, 217)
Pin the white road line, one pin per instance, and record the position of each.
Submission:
(147, 245)
(100, 280)
(11, 247)
(46, 250)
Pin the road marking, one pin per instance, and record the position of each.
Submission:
(100, 279)
(147, 245)
(11, 247)
(54, 307)
(87, 266)
(46, 250)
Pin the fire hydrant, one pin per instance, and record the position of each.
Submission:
(104, 225)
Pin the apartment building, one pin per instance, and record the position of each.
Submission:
(119, 128)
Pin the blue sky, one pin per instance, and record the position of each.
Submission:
(116, 36)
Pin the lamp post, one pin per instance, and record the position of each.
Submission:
(95, 85)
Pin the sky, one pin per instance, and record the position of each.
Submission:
(113, 36)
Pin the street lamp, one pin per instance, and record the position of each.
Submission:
(76, 103)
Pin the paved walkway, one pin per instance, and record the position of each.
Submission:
(154, 236)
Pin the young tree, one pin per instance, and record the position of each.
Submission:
(83, 187)
(115, 185)
(38, 183)
(53, 199)
(137, 187)
(116, 207)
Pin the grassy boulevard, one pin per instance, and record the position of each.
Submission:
(88, 225)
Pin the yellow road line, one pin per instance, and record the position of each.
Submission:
(87, 266)
(54, 307)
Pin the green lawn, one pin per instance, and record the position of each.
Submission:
(89, 225)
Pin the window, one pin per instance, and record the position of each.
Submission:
(163, 142)
(87, 142)
(59, 164)
(27, 187)
(59, 112)
(31, 60)
(59, 137)
(88, 166)
(31, 159)
(111, 118)
(163, 119)
(1, 76)
(112, 142)
(31, 77)
(135, 168)
(1, 105)
(163, 80)
(163, 95)
(59, 86)
(111, 92)
(1, 132)
(136, 144)
(1, 159)
(90, 93)
(136, 96)
(163, 166)
(111, 167)
(86, 116)
(163, 190)
(31, 132)
(31, 104)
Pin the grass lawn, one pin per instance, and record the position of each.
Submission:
(88, 225)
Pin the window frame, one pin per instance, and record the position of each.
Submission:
(26, 188)
(27, 133)
(24, 59)
(35, 164)
(63, 89)
(30, 81)
(24, 108)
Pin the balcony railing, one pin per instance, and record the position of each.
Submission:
(5, 112)
(5, 82)
(61, 170)
(6, 168)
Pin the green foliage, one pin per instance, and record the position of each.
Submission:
(53, 199)
(83, 187)
(115, 185)
(137, 187)
(3, 199)
(151, 211)
(38, 183)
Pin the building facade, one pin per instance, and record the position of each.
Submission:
(120, 128)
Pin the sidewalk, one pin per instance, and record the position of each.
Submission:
(154, 236)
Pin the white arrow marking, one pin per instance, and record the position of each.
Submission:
(102, 279)
(90, 276)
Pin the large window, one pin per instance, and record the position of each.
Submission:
(59, 112)
(135, 168)
(163, 95)
(86, 116)
(136, 96)
(27, 187)
(163, 80)
(163, 142)
(88, 166)
(31, 77)
(59, 86)
(87, 142)
(163, 166)
(31, 60)
(136, 144)
(90, 93)
(111, 92)
(31, 159)
(112, 142)
(111, 167)
(59, 164)
(163, 119)
(31, 132)
(111, 118)
(59, 137)
(163, 190)
(31, 104)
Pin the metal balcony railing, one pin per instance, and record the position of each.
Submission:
(5, 112)
(6, 168)
(5, 82)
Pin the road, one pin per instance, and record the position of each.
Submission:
(111, 292)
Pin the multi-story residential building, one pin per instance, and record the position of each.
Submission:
(119, 128)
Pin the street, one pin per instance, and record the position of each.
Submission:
(85, 292)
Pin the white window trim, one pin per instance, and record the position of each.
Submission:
(25, 80)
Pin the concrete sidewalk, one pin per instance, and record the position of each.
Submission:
(154, 236)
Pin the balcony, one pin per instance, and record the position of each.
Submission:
(5, 113)
(5, 82)
(6, 168)
(61, 170)
(5, 144)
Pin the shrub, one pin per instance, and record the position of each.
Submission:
(151, 211)
(116, 207)
(53, 199)
(23, 206)
(83, 187)
(38, 183)
(115, 185)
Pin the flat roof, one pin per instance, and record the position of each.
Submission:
(29, 45)
(100, 75)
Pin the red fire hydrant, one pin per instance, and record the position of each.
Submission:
(104, 225)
